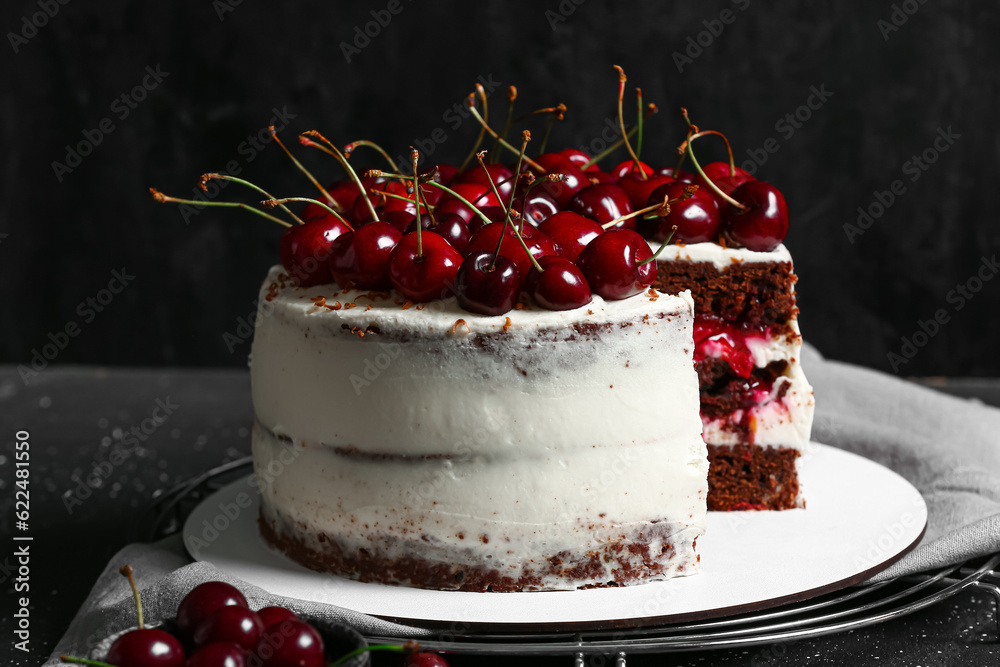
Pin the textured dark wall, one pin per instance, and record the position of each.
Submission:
(225, 65)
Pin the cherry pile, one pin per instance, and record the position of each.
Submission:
(216, 628)
(554, 229)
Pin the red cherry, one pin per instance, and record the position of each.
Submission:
(561, 191)
(425, 659)
(478, 195)
(271, 615)
(449, 225)
(485, 287)
(290, 644)
(446, 173)
(561, 285)
(611, 264)
(718, 173)
(601, 177)
(222, 654)
(359, 213)
(427, 277)
(486, 239)
(578, 158)
(229, 624)
(361, 258)
(638, 190)
(764, 223)
(539, 206)
(146, 648)
(502, 176)
(203, 600)
(697, 218)
(627, 166)
(399, 219)
(603, 202)
(678, 174)
(571, 232)
(305, 249)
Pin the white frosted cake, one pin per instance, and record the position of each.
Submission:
(428, 446)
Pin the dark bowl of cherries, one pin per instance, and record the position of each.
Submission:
(215, 627)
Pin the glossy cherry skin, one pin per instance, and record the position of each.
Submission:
(560, 286)
(676, 174)
(571, 232)
(502, 176)
(399, 219)
(149, 647)
(204, 599)
(628, 166)
(578, 158)
(718, 173)
(764, 225)
(478, 195)
(638, 190)
(487, 287)
(449, 225)
(561, 191)
(428, 277)
(360, 259)
(305, 250)
(603, 202)
(424, 659)
(221, 654)
(359, 214)
(289, 644)
(487, 238)
(539, 205)
(229, 624)
(446, 173)
(610, 264)
(601, 177)
(697, 218)
(271, 615)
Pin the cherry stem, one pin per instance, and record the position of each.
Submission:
(692, 128)
(715, 188)
(408, 647)
(475, 113)
(482, 130)
(126, 571)
(164, 199)
(559, 109)
(621, 121)
(84, 661)
(330, 149)
(439, 186)
(312, 179)
(638, 123)
(272, 202)
(415, 156)
(613, 147)
(627, 216)
(205, 178)
(660, 249)
(349, 148)
(525, 138)
(558, 113)
(495, 151)
(702, 133)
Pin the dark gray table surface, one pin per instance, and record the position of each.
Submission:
(77, 415)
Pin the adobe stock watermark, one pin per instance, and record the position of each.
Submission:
(698, 42)
(453, 117)
(258, 482)
(958, 297)
(88, 310)
(366, 33)
(914, 168)
(898, 17)
(121, 108)
(31, 24)
(887, 544)
(223, 8)
(131, 439)
(562, 12)
(786, 127)
(248, 150)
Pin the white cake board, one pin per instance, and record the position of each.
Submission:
(860, 518)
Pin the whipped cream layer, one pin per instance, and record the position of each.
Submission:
(713, 253)
(389, 378)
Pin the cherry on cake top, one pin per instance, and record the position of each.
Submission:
(478, 230)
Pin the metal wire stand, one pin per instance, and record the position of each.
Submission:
(848, 609)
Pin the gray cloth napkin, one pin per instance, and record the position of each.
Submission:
(948, 448)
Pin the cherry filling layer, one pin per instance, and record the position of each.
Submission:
(727, 377)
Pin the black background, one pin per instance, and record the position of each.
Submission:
(892, 90)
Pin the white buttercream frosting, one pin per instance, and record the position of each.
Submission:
(721, 257)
